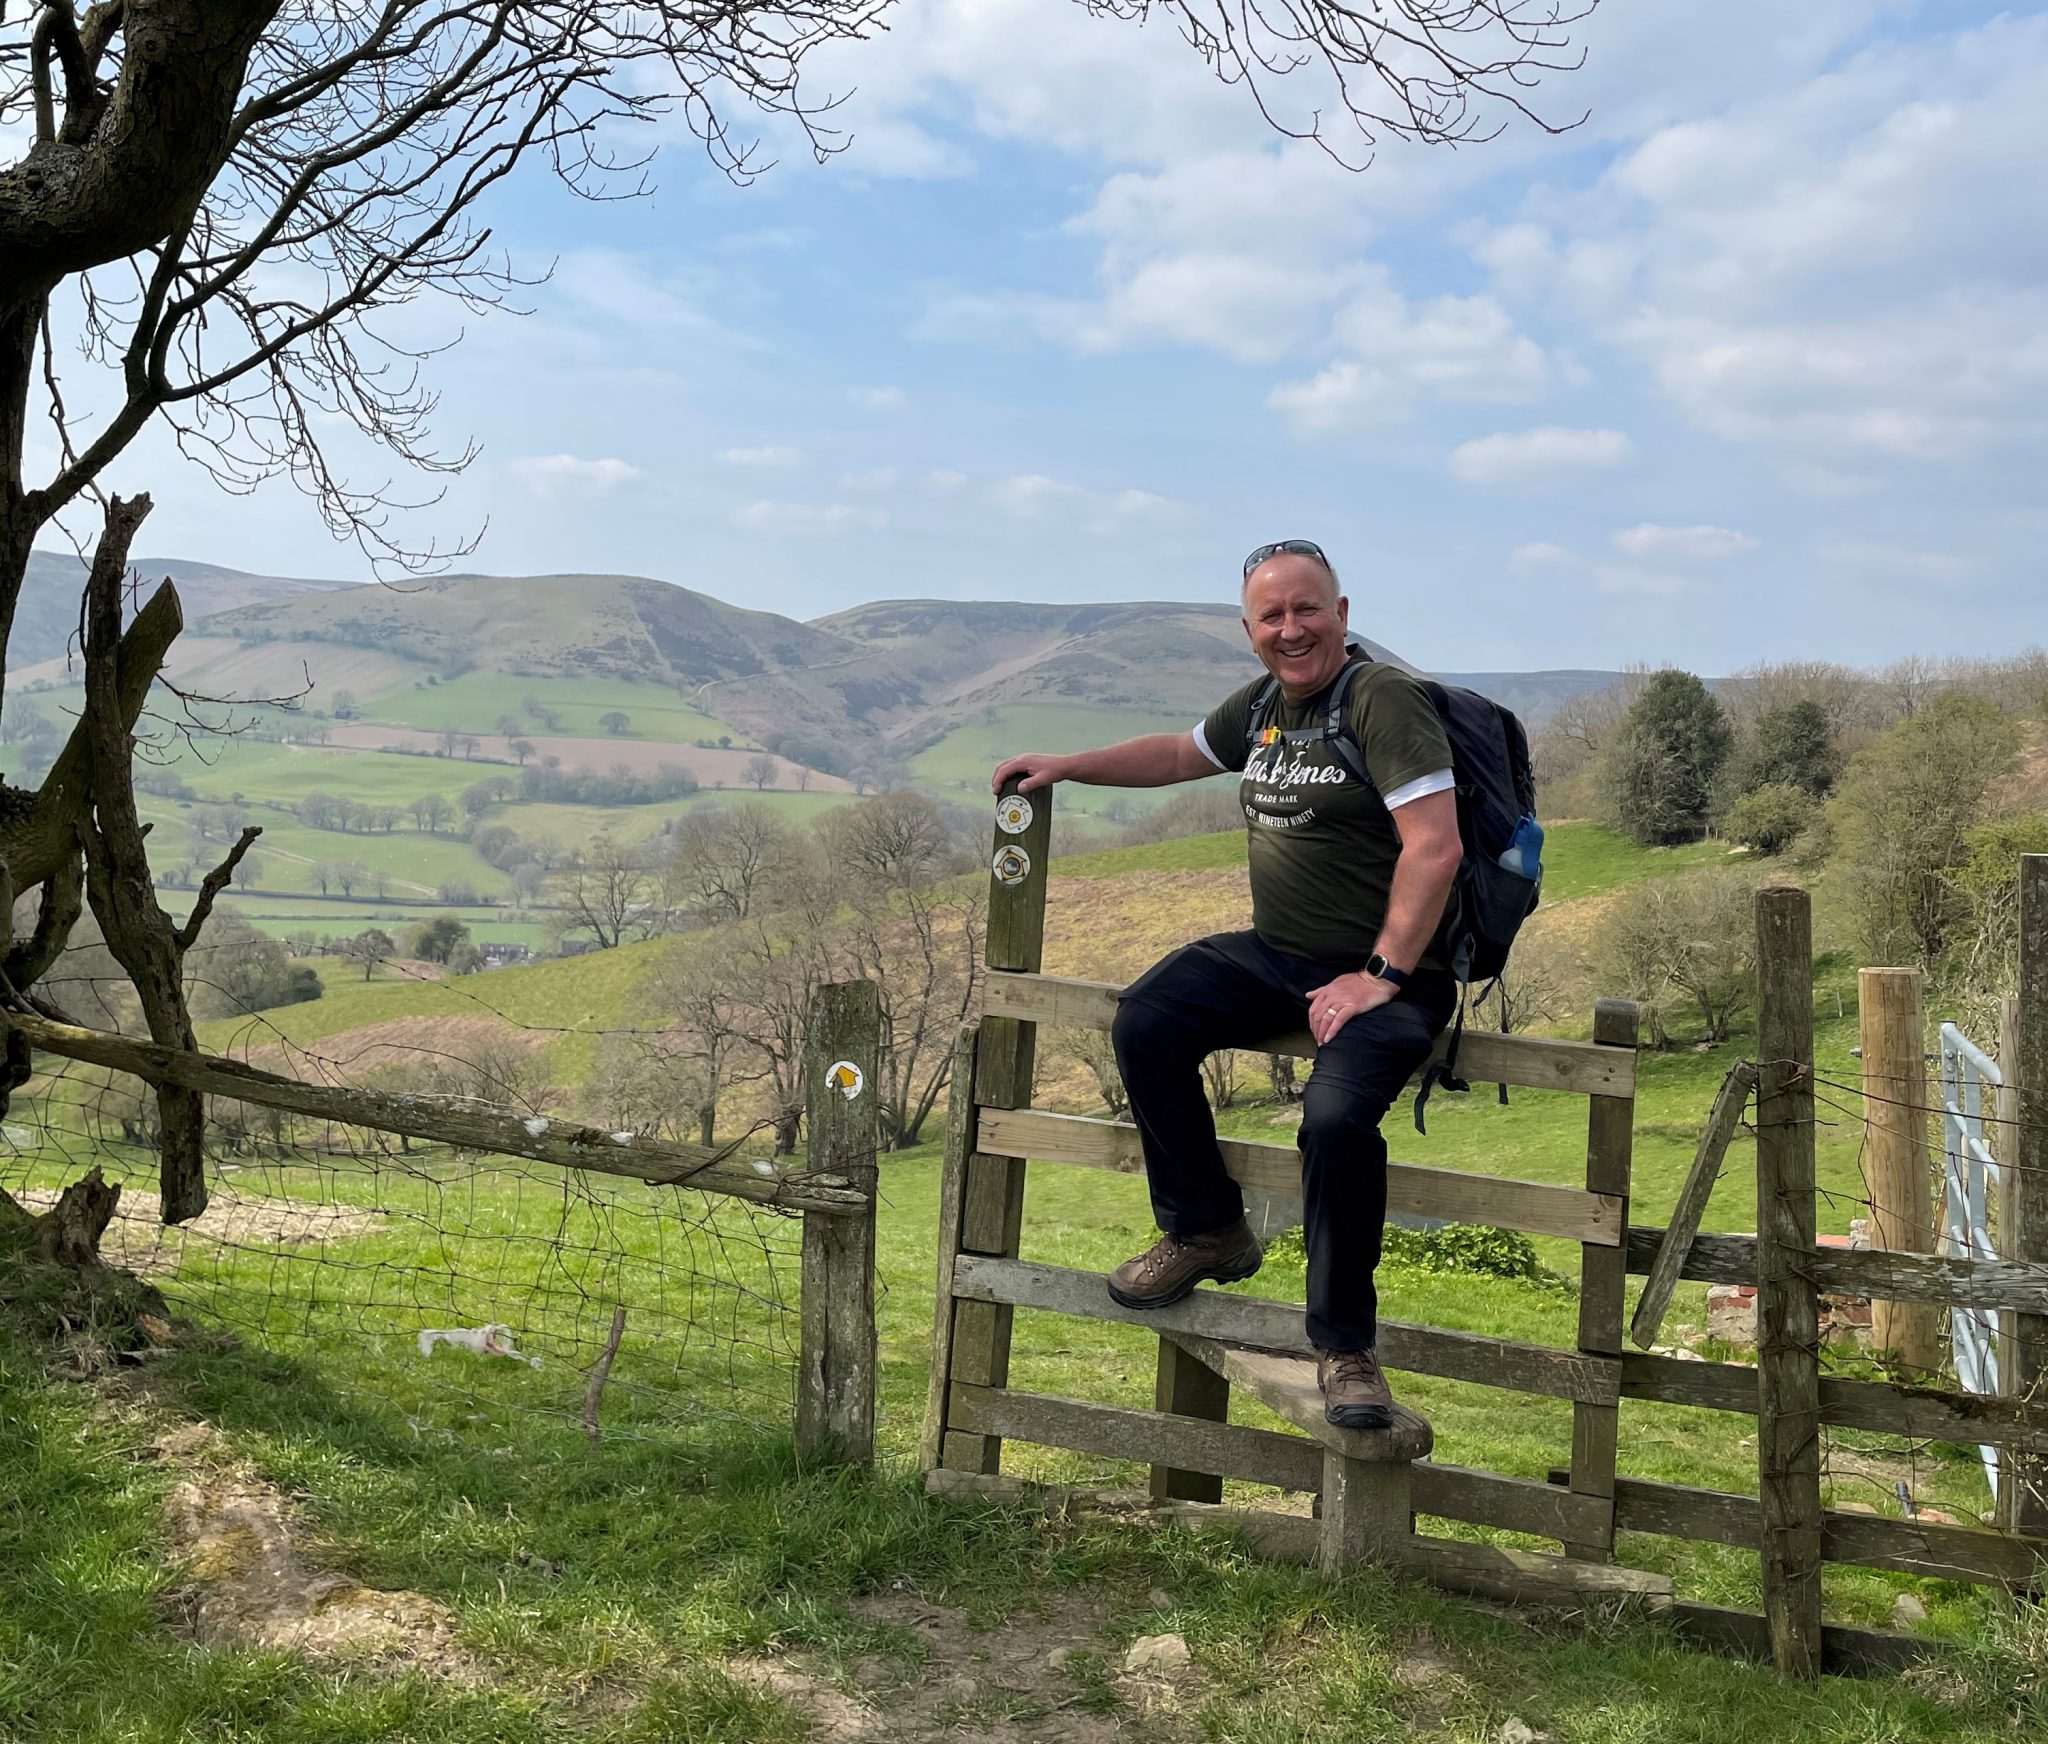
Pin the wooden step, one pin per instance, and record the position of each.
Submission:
(1287, 1385)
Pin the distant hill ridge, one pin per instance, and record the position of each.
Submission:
(896, 672)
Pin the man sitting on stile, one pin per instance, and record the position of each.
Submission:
(1349, 872)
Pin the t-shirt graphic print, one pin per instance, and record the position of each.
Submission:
(1322, 843)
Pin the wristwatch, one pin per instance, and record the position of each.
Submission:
(1381, 970)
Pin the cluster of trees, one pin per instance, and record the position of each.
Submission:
(547, 781)
(767, 913)
(1896, 791)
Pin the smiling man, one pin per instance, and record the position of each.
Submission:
(1347, 791)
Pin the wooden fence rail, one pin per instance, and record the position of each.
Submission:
(833, 1190)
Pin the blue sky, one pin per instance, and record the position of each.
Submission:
(1753, 364)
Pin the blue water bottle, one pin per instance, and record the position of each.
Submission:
(1524, 853)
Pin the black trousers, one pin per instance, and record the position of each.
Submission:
(1236, 991)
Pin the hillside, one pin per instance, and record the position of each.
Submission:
(46, 619)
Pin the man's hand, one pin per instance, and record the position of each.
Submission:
(1332, 1006)
(1038, 769)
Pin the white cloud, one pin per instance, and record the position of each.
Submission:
(1681, 544)
(879, 399)
(1541, 555)
(551, 475)
(1844, 266)
(769, 516)
(880, 478)
(1031, 494)
(773, 454)
(1536, 456)
(945, 479)
(1871, 554)
(1461, 349)
(1610, 578)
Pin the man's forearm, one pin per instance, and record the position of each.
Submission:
(1156, 760)
(1415, 903)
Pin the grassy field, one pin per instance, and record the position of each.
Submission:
(957, 766)
(1580, 859)
(282, 917)
(476, 701)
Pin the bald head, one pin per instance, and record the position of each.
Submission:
(1291, 570)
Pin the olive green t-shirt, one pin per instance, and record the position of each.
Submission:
(1323, 844)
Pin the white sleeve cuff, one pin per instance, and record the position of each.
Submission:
(1202, 745)
(1419, 788)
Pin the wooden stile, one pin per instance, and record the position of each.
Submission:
(959, 1146)
(1787, 1304)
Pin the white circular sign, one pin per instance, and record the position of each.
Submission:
(845, 1077)
(1013, 814)
(1012, 865)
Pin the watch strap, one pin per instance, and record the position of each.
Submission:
(1381, 970)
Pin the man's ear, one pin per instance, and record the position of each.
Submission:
(1343, 611)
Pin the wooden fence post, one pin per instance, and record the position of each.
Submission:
(992, 1193)
(1603, 1281)
(2025, 1471)
(835, 1399)
(1892, 1016)
(961, 1117)
(1787, 1304)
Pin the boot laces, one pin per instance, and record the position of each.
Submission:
(1354, 1365)
(1161, 1254)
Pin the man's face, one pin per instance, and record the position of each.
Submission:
(1296, 620)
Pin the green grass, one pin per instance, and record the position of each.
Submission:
(606, 1589)
(579, 823)
(957, 766)
(475, 702)
(281, 917)
(1582, 859)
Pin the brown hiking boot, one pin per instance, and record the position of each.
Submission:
(1355, 1393)
(1174, 1264)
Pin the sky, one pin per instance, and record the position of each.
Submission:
(1752, 363)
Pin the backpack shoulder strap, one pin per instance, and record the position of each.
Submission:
(1337, 733)
(1262, 706)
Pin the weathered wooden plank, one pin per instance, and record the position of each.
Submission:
(1279, 1326)
(1891, 1015)
(1603, 1279)
(706, 1168)
(960, 1116)
(1483, 1570)
(1262, 1456)
(1924, 1413)
(1845, 1651)
(1287, 1385)
(1486, 1498)
(1922, 1547)
(1532, 1206)
(1838, 1271)
(836, 1367)
(1534, 1062)
(1188, 1387)
(1787, 1304)
(1667, 1264)
(1368, 1511)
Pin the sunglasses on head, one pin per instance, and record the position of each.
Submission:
(1285, 548)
